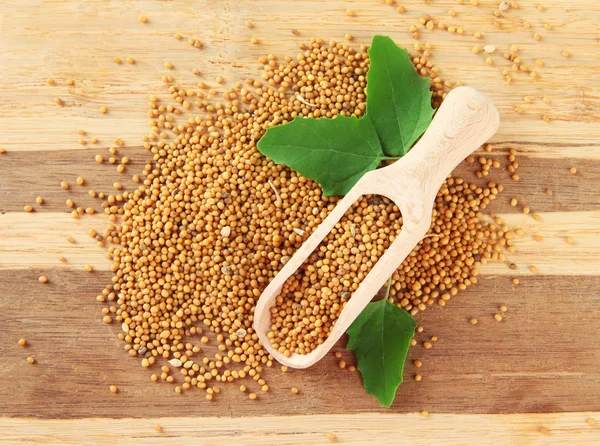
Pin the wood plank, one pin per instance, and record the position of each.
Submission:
(47, 39)
(543, 357)
(18, 187)
(359, 429)
(37, 240)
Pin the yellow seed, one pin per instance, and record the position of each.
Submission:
(50, 81)
(516, 281)
(424, 413)
(573, 170)
(168, 65)
(27, 208)
(533, 269)
(473, 321)
(350, 13)
(544, 430)
(418, 377)
(103, 109)
(591, 421)
(242, 388)
(142, 18)
(498, 317)
(546, 118)
(253, 41)
(113, 389)
(427, 345)
(22, 342)
(31, 360)
(59, 101)
(348, 36)
(80, 180)
(526, 210)
(89, 268)
(43, 279)
(570, 240)
(400, 9)
(330, 437)
(566, 54)
(99, 159)
(158, 428)
(252, 396)
(536, 36)
(130, 60)
(503, 309)
(342, 364)
(295, 390)
(107, 319)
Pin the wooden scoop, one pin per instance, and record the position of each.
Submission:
(464, 121)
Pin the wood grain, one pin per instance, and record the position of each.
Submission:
(414, 429)
(543, 357)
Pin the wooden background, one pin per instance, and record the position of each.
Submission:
(541, 361)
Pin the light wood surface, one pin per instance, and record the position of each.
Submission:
(543, 357)
(360, 429)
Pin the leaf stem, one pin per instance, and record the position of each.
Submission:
(395, 158)
(387, 290)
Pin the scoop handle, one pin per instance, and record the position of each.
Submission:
(465, 120)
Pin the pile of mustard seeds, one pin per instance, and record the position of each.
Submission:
(213, 221)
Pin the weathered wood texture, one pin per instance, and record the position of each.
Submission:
(543, 357)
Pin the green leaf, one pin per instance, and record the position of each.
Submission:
(334, 152)
(398, 99)
(380, 337)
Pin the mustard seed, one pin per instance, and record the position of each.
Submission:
(113, 389)
(31, 360)
(22, 342)
(498, 317)
(43, 279)
(473, 321)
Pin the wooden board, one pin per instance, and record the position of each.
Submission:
(543, 357)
